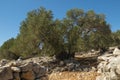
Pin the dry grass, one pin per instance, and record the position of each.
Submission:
(73, 76)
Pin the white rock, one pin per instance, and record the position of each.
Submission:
(15, 69)
(118, 69)
(105, 57)
(113, 75)
(116, 51)
(109, 68)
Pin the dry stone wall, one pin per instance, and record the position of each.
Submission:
(21, 70)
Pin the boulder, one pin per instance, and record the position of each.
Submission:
(16, 76)
(118, 69)
(39, 70)
(71, 66)
(116, 51)
(109, 67)
(29, 75)
(15, 69)
(6, 73)
(62, 63)
(105, 57)
(26, 67)
(15, 63)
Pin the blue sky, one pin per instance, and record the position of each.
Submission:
(13, 12)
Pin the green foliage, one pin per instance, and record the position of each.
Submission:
(92, 31)
(40, 34)
(5, 51)
(34, 29)
(115, 38)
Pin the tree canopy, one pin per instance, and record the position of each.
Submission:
(41, 34)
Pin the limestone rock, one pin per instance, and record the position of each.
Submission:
(29, 75)
(16, 76)
(6, 73)
(26, 67)
(109, 68)
(15, 63)
(39, 70)
(118, 69)
(116, 51)
(15, 69)
(105, 57)
(29, 69)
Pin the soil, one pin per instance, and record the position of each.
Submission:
(73, 76)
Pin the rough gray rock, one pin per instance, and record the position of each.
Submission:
(109, 66)
(6, 73)
(38, 68)
(16, 76)
(26, 67)
(22, 70)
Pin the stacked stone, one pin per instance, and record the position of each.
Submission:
(20, 70)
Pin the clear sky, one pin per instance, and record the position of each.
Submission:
(13, 12)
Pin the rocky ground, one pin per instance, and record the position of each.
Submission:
(74, 76)
(44, 68)
(90, 66)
